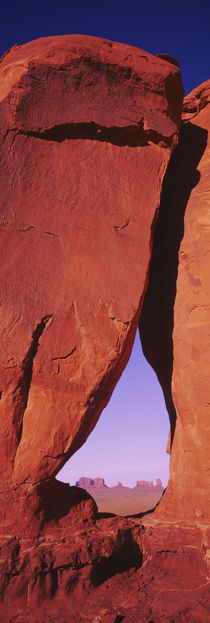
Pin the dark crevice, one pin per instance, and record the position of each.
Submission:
(64, 356)
(50, 233)
(132, 135)
(126, 555)
(157, 318)
(21, 392)
(58, 456)
(27, 228)
(122, 226)
(52, 582)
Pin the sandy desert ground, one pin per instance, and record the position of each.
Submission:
(125, 501)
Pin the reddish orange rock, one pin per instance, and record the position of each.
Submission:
(116, 568)
(190, 460)
(87, 127)
(175, 319)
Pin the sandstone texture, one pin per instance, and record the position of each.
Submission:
(87, 128)
(175, 320)
(190, 461)
(112, 570)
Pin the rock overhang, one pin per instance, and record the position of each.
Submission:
(85, 67)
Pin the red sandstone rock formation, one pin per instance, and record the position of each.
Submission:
(174, 324)
(86, 130)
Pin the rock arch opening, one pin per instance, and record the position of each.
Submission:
(157, 315)
(78, 206)
(123, 463)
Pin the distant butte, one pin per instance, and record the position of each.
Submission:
(104, 215)
(99, 483)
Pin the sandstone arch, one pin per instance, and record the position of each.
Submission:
(71, 226)
(98, 121)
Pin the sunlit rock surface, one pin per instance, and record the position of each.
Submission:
(87, 128)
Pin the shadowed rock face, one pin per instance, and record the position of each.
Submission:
(174, 324)
(157, 317)
(86, 129)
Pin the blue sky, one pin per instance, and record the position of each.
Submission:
(129, 440)
(180, 28)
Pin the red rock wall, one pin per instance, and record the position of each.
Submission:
(174, 325)
(86, 131)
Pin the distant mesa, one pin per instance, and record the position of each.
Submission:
(99, 483)
(118, 486)
(145, 484)
(89, 483)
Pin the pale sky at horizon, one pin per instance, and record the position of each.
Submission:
(130, 438)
